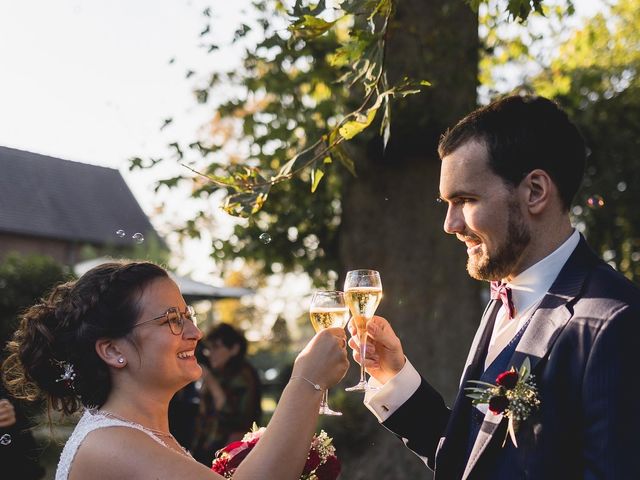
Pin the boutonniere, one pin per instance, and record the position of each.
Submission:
(514, 395)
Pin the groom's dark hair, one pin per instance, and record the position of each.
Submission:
(523, 133)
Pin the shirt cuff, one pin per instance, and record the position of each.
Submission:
(384, 400)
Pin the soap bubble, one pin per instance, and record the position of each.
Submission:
(265, 238)
(138, 237)
(121, 233)
(5, 439)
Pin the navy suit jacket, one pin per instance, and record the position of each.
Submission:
(583, 342)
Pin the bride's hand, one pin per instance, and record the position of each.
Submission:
(324, 359)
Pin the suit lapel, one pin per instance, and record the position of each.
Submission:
(547, 322)
(553, 313)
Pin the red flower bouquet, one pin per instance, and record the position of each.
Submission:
(322, 462)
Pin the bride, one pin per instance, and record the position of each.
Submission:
(117, 344)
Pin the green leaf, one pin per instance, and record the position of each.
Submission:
(353, 127)
(385, 125)
(351, 51)
(300, 160)
(246, 204)
(168, 182)
(241, 32)
(525, 369)
(475, 396)
(310, 27)
(299, 10)
(316, 176)
(479, 382)
(178, 150)
(135, 162)
(383, 7)
(166, 122)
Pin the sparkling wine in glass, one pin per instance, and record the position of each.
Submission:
(328, 310)
(362, 292)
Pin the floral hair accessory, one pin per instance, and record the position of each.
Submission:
(68, 373)
(322, 462)
(514, 395)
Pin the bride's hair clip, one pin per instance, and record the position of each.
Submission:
(68, 372)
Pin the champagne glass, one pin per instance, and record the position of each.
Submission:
(328, 310)
(362, 292)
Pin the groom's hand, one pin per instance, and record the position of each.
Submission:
(384, 357)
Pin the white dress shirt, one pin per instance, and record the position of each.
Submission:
(528, 290)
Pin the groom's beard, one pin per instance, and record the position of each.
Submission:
(501, 263)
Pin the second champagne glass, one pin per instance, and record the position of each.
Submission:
(328, 310)
(362, 292)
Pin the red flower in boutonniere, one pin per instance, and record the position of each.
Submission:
(508, 379)
(514, 395)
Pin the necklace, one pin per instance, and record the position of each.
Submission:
(153, 431)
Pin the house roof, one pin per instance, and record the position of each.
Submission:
(192, 290)
(49, 197)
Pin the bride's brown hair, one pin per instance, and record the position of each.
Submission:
(62, 329)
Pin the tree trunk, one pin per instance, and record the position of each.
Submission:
(392, 223)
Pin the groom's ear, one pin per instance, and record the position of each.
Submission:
(539, 191)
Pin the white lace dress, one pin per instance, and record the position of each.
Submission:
(89, 422)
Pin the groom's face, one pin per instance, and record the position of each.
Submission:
(483, 212)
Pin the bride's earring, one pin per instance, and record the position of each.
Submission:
(121, 360)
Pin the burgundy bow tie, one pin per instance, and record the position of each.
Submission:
(500, 291)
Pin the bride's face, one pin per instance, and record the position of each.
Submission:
(163, 358)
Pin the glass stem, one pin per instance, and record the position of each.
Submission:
(363, 356)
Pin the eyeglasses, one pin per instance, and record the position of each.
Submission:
(175, 319)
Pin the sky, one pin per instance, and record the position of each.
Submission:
(92, 81)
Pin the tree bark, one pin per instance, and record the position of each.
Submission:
(392, 223)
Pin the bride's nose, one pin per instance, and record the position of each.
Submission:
(191, 331)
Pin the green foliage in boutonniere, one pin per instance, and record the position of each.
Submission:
(514, 395)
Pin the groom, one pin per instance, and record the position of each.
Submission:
(510, 171)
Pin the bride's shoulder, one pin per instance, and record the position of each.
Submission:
(116, 452)
(121, 452)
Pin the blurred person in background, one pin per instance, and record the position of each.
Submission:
(19, 451)
(230, 394)
(183, 410)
